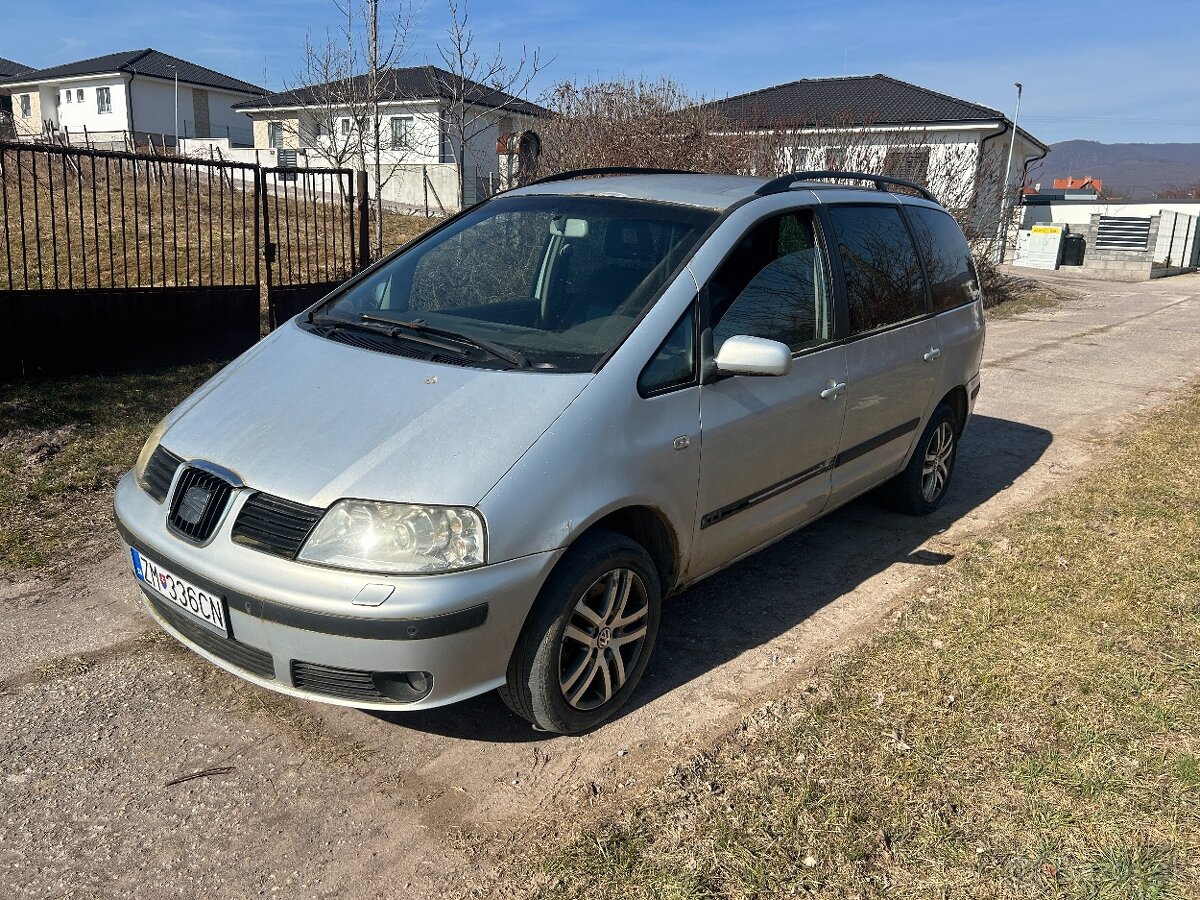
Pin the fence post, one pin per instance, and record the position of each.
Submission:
(363, 214)
(264, 239)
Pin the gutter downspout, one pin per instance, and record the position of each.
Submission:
(1030, 162)
(129, 108)
(1005, 127)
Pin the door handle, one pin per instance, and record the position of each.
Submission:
(833, 390)
(932, 354)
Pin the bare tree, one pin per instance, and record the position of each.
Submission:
(636, 123)
(478, 90)
(334, 104)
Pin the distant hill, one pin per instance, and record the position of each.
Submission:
(1131, 170)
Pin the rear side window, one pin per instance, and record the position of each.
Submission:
(883, 276)
(774, 285)
(947, 258)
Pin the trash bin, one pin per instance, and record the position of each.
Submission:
(1073, 248)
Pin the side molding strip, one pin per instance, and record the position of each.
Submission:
(853, 453)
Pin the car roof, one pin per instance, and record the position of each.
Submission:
(717, 192)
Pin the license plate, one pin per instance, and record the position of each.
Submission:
(207, 608)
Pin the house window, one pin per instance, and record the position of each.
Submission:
(322, 130)
(345, 125)
(402, 127)
(909, 163)
(103, 100)
(79, 95)
(70, 95)
(26, 110)
(275, 135)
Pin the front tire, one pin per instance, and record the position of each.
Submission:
(588, 638)
(922, 486)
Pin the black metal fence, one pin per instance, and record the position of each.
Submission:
(115, 260)
(314, 223)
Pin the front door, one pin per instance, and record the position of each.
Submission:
(768, 443)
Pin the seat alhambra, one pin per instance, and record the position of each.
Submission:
(485, 461)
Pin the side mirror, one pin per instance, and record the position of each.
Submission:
(746, 355)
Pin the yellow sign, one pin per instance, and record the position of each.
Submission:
(1046, 229)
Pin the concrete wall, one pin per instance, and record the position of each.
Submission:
(1177, 249)
(1119, 265)
(1077, 213)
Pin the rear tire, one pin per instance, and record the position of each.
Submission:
(922, 486)
(588, 638)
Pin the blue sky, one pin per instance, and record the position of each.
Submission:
(1107, 71)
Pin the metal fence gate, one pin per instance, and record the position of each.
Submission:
(315, 234)
(113, 261)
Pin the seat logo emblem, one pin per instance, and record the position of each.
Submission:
(193, 504)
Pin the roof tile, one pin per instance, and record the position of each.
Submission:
(851, 100)
(413, 83)
(145, 62)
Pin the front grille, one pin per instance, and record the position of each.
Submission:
(258, 662)
(274, 525)
(159, 472)
(356, 684)
(198, 503)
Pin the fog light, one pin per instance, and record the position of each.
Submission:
(405, 687)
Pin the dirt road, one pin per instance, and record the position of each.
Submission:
(98, 711)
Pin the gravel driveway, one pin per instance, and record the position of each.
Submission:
(99, 712)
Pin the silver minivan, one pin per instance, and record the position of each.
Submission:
(484, 462)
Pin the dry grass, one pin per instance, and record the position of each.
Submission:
(1030, 728)
(64, 443)
(1010, 295)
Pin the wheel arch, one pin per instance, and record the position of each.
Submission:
(649, 528)
(956, 399)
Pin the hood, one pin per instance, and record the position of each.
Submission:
(312, 420)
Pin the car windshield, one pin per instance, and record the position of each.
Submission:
(560, 280)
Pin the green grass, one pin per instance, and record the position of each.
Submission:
(1030, 729)
(64, 443)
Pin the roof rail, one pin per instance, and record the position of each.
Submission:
(785, 182)
(610, 170)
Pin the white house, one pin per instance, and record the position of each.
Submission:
(875, 123)
(433, 129)
(132, 97)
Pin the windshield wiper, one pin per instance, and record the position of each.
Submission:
(392, 332)
(420, 326)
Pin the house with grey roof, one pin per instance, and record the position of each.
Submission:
(8, 70)
(876, 123)
(419, 147)
(132, 97)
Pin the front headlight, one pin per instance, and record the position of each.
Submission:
(143, 460)
(397, 538)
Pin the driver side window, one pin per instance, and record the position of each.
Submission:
(775, 284)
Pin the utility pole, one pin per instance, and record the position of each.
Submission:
(373, 42)
(1000, 229)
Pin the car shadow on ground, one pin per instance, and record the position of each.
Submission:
(766, 595)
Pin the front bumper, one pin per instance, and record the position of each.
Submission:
(296, 630)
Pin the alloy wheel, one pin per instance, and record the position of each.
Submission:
(603, 639)
(936, 471)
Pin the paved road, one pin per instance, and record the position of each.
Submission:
(98, 711)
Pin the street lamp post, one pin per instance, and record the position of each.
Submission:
(1000, 236)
